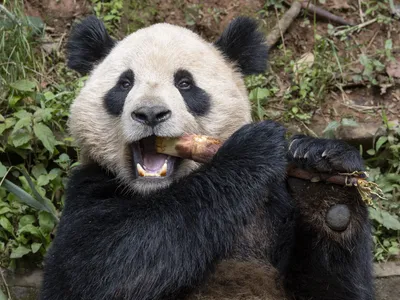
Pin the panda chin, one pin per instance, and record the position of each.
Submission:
(147, 163)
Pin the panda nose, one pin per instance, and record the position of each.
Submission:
(151, 115)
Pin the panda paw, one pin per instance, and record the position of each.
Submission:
(324, 155)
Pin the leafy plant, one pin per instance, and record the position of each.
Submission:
(35, 151)
(109, 11)
(329, 131)
(384, 169)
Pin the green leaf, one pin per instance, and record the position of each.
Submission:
(394, 250)
(390, 221)
(43, 180)
(35, 247)
(381, 141)
(46, 222)
(54, 173)
(262, 93)
(43, 114)
(388, 44)
(2, 128)
(38, 170)
(5, 223)
(22, 114)
(4, 210)
(63, 161)
(364, 60)
(46, 202)
(23, 85)
(10, 122)
(3, 170)
(49, 95)
(108, 17)
(384, 218)
(349, 122)
(31, 229)
(24, 122)
(20, 138)
(19, 252)
(45, 135)
(27, 199)
(332, 126)
(13, 100)
(26, 220)
(371, 152)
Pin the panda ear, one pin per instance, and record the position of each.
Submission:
(243, 44)
(88, 44)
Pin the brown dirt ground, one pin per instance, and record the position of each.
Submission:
(388, 288)
(209, 17)
(58, 15)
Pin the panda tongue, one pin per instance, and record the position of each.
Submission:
(152, 161)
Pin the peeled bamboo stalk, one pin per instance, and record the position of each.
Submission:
(199, 148)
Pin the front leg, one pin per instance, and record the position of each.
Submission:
(332, 255)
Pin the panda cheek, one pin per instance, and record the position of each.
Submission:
(197, 100)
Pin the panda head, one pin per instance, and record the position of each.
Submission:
(162, 80)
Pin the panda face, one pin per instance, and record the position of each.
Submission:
(163, 81)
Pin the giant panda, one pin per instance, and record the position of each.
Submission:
(234, 228)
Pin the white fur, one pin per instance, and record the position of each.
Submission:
(155, 54)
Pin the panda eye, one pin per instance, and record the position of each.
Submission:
(125, 84)
(184, 84)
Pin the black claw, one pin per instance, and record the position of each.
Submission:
(324, 155)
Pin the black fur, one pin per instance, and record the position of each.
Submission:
(111, 245)
(196, 99)
(243, 44)
(114, 100)
(88, 44)
(324, 155)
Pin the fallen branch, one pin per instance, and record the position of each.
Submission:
(320, 12)
(349, 30)
(283, 24)
(293, 12)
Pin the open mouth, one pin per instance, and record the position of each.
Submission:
(148, 163)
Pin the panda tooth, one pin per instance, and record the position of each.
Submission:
(141, 171)
(164, 168)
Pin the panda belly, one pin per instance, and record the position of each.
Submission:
(247, 274)
(241, 280)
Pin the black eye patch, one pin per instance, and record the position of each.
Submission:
(114, 100)
(196, 99)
